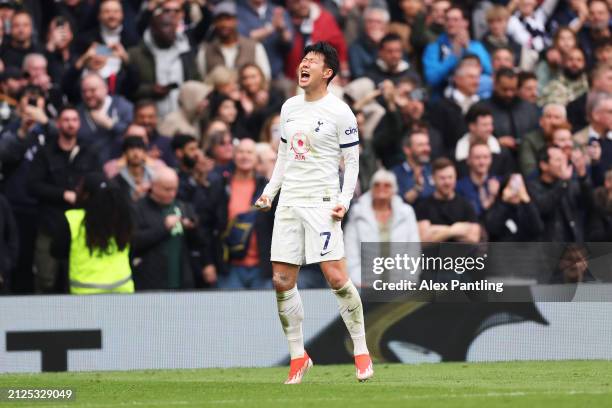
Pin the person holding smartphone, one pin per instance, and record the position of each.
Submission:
(513, 216)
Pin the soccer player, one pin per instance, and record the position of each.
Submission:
(317, 129)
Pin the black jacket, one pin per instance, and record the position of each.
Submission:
(513, 119)
(214, 220)
(9, 243)
(562, 207)
(600, 218)
(54, 171)
(576, 113)
(389, 135)
(446, 116)
(524, 216)
(148, 253)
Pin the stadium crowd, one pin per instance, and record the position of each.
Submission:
(479, 120)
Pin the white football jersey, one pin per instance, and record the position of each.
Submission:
(314, 135)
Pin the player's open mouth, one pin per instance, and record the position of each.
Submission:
(304, 75)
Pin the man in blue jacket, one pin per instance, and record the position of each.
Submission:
(441, 57)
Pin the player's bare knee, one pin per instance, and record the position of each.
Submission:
(283, 279)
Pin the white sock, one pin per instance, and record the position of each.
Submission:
(351, 310)
(291, 314)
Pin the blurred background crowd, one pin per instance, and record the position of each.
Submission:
(479, 120)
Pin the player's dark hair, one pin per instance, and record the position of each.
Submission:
(475, 112)
(440, 164)
(330, 56)
(179, 141)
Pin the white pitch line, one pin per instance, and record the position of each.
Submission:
(286, 400)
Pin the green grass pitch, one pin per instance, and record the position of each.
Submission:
(515, 384)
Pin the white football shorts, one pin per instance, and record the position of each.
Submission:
(304, 235)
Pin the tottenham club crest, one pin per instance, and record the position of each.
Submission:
(300, 144)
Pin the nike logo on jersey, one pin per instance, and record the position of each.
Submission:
(351, 310)
(325, 253)
(289, 120)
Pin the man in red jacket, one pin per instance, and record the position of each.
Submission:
(312, 23)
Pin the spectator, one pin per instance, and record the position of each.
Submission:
(257, 99)
(312, 24)
(480, 125)
(262, 21)
(187, 119)
(239, 231)
(527, 26)
(380, 216)
(479, 186)
(35, 69)
(221, 149)
(597, 135)
(20, 141)
(553, 115)
(362, 52)
(59, 51)
(266, 158)
(601, 81)
(56, 171)
(496, 37)
(164, 60)
(560, 199)
(443, 56)
(562, 138)
(270, 133)
(9, 246)
(447, 113)
(513, 216)
(186, 154)
(502, 57)
(425, 25)
(95, 240)
(21, 41)
(135, 178)
(405, 113)
(104, 118)
(114, 166)
(110, 30)
(165, 233)
(227, 47)
(11, 85)
(528, 87)
(571, 84)
(363, 98)
(598, 27)
(445, 216)
(413, 177)
(145, 115)
(390, 63)
(512, 117)
(227, 110)
(550, 67)
(600, 219)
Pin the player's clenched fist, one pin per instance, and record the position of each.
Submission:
(338, 212)
(263, 203)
